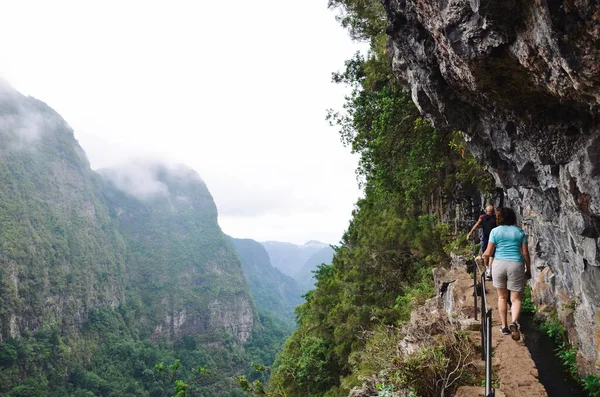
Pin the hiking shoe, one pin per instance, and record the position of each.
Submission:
(514, 331)
(505, 331)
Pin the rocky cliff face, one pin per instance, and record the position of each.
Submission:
(521, 80)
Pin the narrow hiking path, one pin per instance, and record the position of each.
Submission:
(514, 372)
(512, 362)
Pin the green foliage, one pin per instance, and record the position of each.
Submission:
(554, 329)
(469, 170)
(571, 305)
(8, 354)
(202, 371)
(273, 292)
(382, 268)
(308, 369)
(461, 246)
(28, 388)
(384, 390)
(591, 384)
(180, 388)
(56, 237)
(418, 293)
(160, 367)
(87, 272)
(375, 357)
(400, 152)
(254, 388)
(363, 18)
(446, 362)
(568, 354)
(439, 369)
(527, 303)
(495, 383)
(107, 358)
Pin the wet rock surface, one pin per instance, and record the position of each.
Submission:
(521, 80)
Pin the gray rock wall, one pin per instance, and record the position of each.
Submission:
(521, 80)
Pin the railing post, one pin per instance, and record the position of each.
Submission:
(475, 290)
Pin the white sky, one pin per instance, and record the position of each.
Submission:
(237, 90)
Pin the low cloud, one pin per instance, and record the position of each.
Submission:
(23, 120)
(138, 179)
(141, 178)
(25, 125)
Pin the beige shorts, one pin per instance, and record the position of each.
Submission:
(508, 274)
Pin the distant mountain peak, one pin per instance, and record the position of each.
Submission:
(312, 243)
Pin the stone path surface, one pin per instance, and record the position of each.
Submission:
(514, 371)
(511, 361)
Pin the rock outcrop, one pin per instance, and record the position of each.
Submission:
(521, 80)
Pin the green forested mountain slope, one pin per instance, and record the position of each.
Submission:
(179, 264)
(273, 292)
(104, 279)
(60, 252)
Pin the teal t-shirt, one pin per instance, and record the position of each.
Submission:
(508, 241)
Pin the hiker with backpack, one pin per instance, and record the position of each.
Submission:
(487, 223)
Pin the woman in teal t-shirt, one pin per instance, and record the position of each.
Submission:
(511, 266)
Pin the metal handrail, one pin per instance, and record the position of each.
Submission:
(486, 329)
(486, 338)
(483, 316)
(489, 392)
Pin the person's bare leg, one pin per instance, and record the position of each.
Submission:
(515, 308)
(502, 295)
(488, 269)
